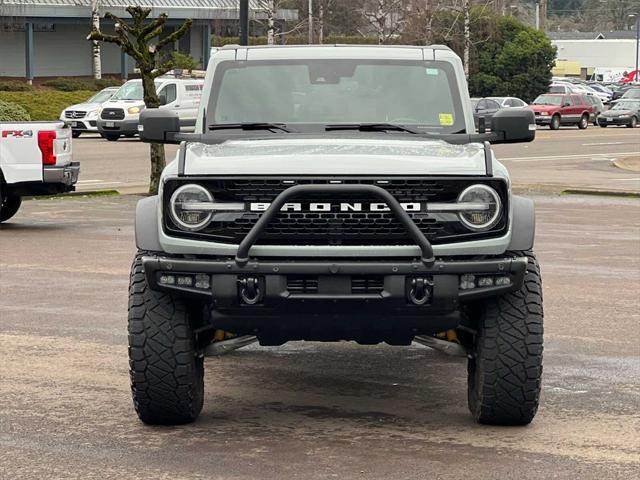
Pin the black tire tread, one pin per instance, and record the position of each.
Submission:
(167, 379)
(505, 376)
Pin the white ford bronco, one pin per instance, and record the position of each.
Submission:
(35, 159)
(335, 193)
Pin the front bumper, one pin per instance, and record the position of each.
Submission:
(543, 120)
(83, 125)
(283, 311)
(123, 127)
(614, 120)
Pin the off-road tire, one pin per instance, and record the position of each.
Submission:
(554, 124)
(167, 377)
(632, 123)
(584, 122)
(505, 368)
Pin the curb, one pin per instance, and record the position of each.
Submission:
(91, 193)
(550, 189)
(605, 193)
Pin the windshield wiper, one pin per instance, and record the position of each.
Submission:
(372, 127)
(250, 126)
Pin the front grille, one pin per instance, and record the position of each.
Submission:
(337, 227)
(73, 114)
(112, 114)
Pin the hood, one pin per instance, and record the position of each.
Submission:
(84, 106)
(617, 113)
(543, 108)
(344, 156)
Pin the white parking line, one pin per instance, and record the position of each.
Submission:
(601, 143)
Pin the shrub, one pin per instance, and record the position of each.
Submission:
(106, 82)
(11, 112)
(45, 104)
(80, 84)
(184, 61)
(14, 86)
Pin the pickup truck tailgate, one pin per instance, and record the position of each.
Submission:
(27, 148)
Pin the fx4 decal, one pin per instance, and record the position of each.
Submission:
(17, 133)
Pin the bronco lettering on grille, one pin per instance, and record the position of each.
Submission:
(343, 207)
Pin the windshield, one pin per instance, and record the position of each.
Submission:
(626, 106)
(326, 91)
(131, 91)
(633, 93)
(102, 96)
(548, 100)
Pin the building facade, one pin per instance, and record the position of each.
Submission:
(47, 38)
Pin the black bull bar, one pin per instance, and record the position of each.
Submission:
(242, 255)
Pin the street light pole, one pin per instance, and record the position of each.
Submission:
(636, 75)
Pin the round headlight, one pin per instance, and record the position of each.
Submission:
(185, 209)
(488, 207)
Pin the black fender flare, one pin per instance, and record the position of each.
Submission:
(146, 226)
(523, 226)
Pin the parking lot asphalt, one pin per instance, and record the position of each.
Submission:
(556, 160)
(310, 410)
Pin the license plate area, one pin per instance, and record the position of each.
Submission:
(110, 124)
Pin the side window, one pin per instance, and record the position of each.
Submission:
(482, 105)
(492, 105)
(168, 94)
(577, 100)
(568, 99)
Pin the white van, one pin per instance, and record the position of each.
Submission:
(119, 116)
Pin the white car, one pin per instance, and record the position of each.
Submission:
(509, 102)
(119, 116)
(83, 117)
(35, 159)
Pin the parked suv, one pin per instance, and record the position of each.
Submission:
(335, 193)
(556, 109)
(83, 117)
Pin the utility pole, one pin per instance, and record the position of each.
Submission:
(95, 45)
(543, 15)
(244, 22)
(310, 22)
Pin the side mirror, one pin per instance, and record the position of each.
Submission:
(514, 125)
(156, 126)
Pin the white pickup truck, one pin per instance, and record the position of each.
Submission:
(35, 159)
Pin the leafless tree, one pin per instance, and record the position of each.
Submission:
(136, 39)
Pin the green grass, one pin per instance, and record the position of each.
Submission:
(45, 104)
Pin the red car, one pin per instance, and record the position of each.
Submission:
(555, 109)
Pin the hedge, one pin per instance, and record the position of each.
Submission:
(78, 84)
(45, 105)
(12, 112)
(15, 86)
